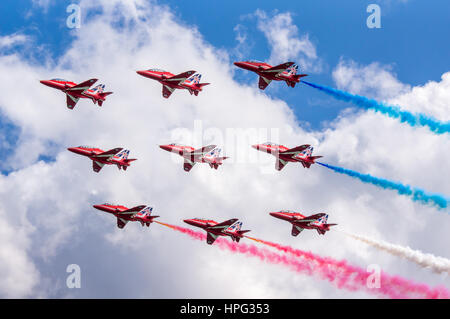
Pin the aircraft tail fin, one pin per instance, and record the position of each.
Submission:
(323, 226)
(195, 79)
(235, 227)
(99, 88)
(215, 153)
(215, 158)
(292, 70)
(308, 151)
(236, 231)
(122, 155)
(292, 73)
(147, 213)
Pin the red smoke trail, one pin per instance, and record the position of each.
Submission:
(353, 278)
(343, 275)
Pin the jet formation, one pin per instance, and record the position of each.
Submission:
(209, 154)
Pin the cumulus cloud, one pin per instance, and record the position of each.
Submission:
(369, 80)
(285, 41)
(47, 217)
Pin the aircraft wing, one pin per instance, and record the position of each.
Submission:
(97, 166)
(121, 222)
(71, 101)
(167, 91)
(108, 154)
(296, 230)
(132, 211)
(279, 164)
(202, 151)
(310, 219)
(224, 224)
(275, 70)
(210, 238)
(188, 164)
(82, 87)
(179, 78)
(296, 150)
(263, 82)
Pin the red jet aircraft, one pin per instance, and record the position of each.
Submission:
(170, 82)
(300, 222)
(207, 154)
(140, 214)
(284, 155)
(213, 229)
(76, 91)
(116, 156)
(286, 72)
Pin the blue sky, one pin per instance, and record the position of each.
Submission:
(412, 38)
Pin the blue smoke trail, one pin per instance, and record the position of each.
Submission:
(416, 194)
(390, 110)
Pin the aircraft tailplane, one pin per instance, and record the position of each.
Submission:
(298, 76)
(103, 96)
(199, 87)
(313, 158)
(327, 226)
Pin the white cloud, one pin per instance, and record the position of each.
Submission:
(48, 221)
(12, 40)
(285, 42)
(370, 80)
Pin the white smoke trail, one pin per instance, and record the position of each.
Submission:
(435, 263)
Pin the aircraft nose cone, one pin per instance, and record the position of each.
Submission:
(96, 206)
(165, 147)
(239, 64)
(189, 221)
(72, 149)
(45, 82)
(275, 214)
(140, 72)
(256, 146)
